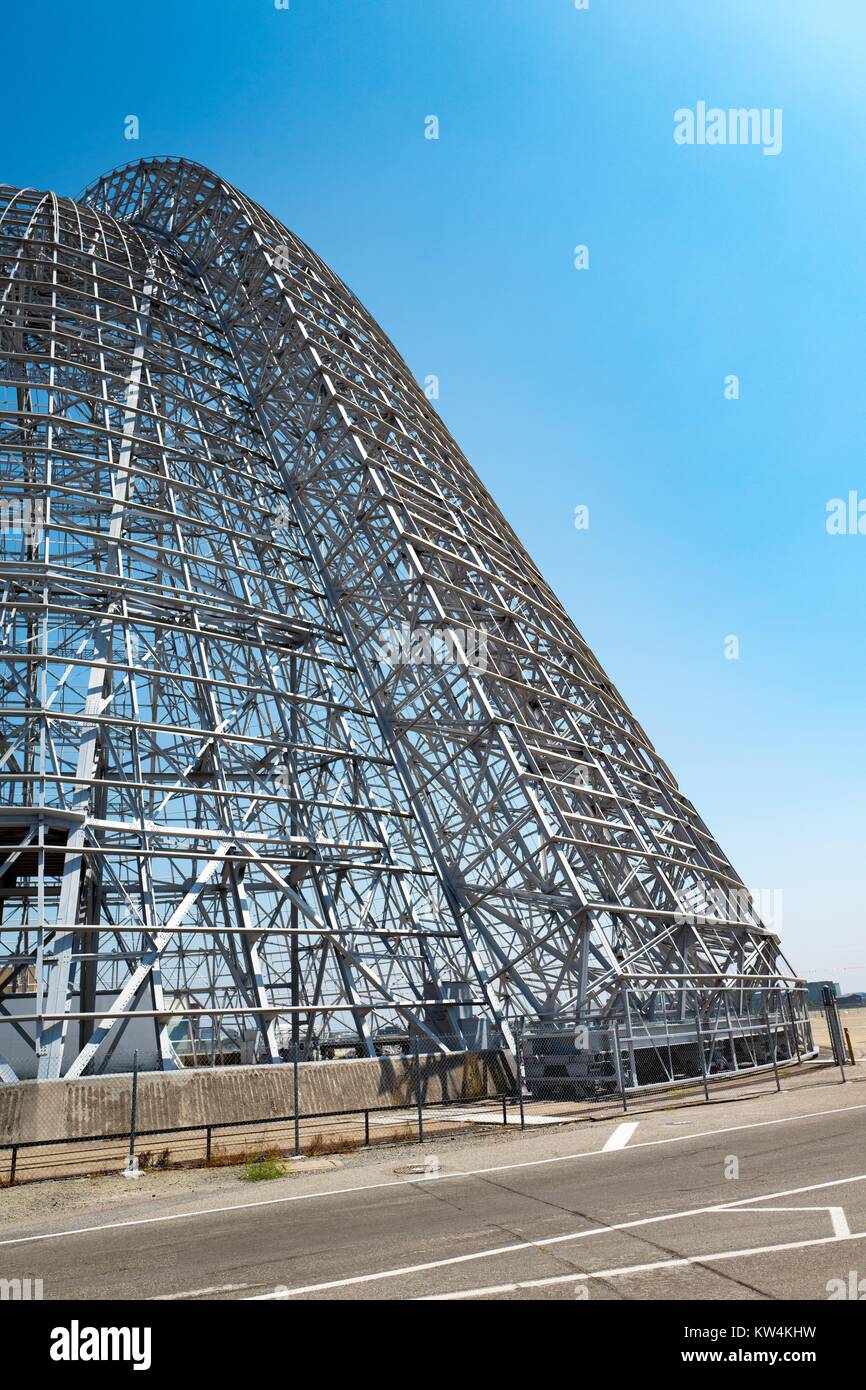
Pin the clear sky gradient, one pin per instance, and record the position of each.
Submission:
(601, 387)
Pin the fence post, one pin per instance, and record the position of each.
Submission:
(518, 1067)
(296, 1092)
(771, 1049)
(618, 1065)
(209, 1132)
(131, 1169)
(367, 1128)
(418, 1091)
(13, 1165)
(700, 1035)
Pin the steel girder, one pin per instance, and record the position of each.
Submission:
(210, 754)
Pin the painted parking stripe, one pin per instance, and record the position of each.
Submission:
(620, 1137)
(544, 1242)
(837, 1215)
(679, 1263)
(198, 1293)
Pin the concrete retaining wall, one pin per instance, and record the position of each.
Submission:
(99, 1105)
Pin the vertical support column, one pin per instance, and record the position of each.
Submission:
(59, 957)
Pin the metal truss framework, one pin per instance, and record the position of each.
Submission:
(220, 798)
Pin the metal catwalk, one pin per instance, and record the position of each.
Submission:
(296, 741)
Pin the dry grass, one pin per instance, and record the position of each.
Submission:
(409, 1135)
(230, 1158)
(320, 1145)
(146, 1159)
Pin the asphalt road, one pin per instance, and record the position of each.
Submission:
(661, 1217)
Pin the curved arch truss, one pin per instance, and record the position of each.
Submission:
(296, 740)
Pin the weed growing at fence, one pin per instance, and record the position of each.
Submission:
(263, 1168)
(319, 1146)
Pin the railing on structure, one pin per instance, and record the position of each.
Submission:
(581, 1061)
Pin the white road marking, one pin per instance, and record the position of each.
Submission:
(840, 1222)
(197, 1293)
(620, 1137)
(443, 1177)
(838, 1219)
(680, 1263)
(544, 1241)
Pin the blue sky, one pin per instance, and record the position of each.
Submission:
(602, 387)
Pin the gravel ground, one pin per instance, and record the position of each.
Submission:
(63, 1195)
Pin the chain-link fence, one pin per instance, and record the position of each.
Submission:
(553, 1073)
(220, 1115)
